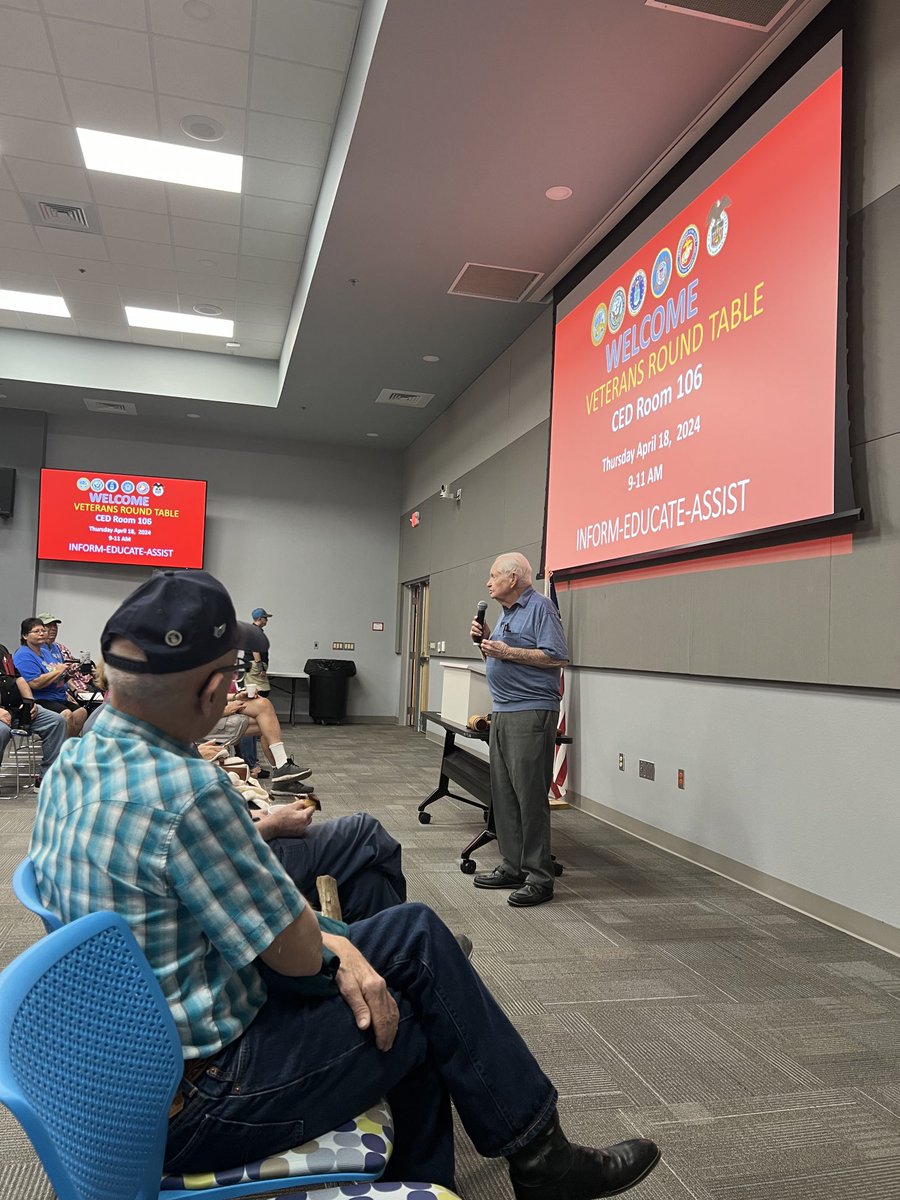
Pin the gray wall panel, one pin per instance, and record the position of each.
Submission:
(415, 544)
(525, 473)
(865, 626)
(22, 436)
(638, 625)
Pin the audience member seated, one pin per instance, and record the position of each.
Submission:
(132, 819)
(80, 680)
(243, 718)
(19, 711)
(47, 678)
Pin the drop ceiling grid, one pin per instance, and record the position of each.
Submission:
(271, 74)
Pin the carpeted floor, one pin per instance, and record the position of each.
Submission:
(759, 1048)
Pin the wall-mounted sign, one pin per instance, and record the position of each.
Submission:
(378, 626)
(414, 518)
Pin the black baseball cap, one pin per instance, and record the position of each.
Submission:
(181, 620)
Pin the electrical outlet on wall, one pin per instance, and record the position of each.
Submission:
(621, 762)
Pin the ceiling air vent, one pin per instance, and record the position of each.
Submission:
(123, 407)
(750, 14)
(62, 214)
(404, 399)
(493, 283)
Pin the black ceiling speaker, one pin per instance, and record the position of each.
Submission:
(7, 490)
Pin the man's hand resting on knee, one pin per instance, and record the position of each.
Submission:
(365, 992)
(285, 821)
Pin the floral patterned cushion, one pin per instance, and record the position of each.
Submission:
(361, 1147)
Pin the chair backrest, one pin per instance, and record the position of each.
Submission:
(90, 1059)
(25, 887)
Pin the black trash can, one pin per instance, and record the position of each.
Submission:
(328, 688)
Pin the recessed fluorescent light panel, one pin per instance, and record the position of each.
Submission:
(164, 161)
(154, 318)
(33, 302)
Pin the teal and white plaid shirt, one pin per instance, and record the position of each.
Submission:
(130, 820)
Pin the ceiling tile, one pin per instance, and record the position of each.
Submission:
(172, 109)
(287, 139)
(196, 341)
(266, 292)
(43, 140)
(260, 350)
(72, 243)
(130, 14)
(24, 42)
(18, 236)
(281, 216)
(306, 31)
(156, 337)
(208, 287)
(267, 270)
(258, 333)
(186, 304)
(137, 195)
(146, 278)
(25, 262)
(89, 293)
(86, 269)
(12, 208)
(112, 109)
(106, 333)
(197, 262)
(141, 254)
(44, 285)
(32, 94)
(138, 226)
(295, 90)
(281, 181)
(50, 180)
(40, 324)
(202, 204)
(229, 24)
(139, 298)
(100, 314)
(101, 53)
(5, 180)
(10, 320)
(31, 5)
(262, 243)
(205, 235)
(216, 74)
(263, 314)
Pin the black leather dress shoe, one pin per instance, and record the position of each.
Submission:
(498, 878)
(529, 895)
(552, 1168)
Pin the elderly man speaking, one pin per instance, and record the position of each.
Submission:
(523, 655)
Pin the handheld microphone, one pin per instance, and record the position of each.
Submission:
(479, 617)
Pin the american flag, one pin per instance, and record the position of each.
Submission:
(560, 763)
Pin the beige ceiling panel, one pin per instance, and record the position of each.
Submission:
(18, 236)
(39, 324)
(209, 287)
(129, 14)
(141, 254)
(87, 269)
(267, 270)
(157, 337)
(205, 235)
(106, 333)
(22, 281)
(98, 314)
(24, 42)
(295, 90)
(307, 31)
(262, 292)
(205, 264)
(148, 279)
(138, 226)
(263, 314)
(24, 262)
(280, 216)
(124, 110)
(137, 195)
(262, 243)
(44, 140)
(186, 304)
(233, 121)
(286, 139)
(72, 244)
(139, 298)
(50, 180)
(202, 204)
(79, 290)
(11, 207)
(229, 24)
(281, 181)
(32, 94)
(216, 74)
(259, 333)
(101, 53)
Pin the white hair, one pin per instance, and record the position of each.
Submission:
(142, 689)
(516, 564)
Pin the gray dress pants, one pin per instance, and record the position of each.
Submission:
(522, 747)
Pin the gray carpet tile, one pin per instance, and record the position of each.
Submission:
(760, 1048)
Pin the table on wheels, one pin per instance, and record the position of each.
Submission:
(472, 773)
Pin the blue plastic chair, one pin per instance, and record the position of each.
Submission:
(90, 1060)
(25, 887)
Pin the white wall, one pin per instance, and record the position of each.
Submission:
(310, 535)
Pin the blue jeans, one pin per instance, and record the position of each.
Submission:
(246, 749)
(50, 728)
(361, 855)
(302, 1067)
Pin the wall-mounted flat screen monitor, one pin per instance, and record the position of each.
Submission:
(699, 388)
(86, 516)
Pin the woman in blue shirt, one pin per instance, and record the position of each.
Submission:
(46, 677)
